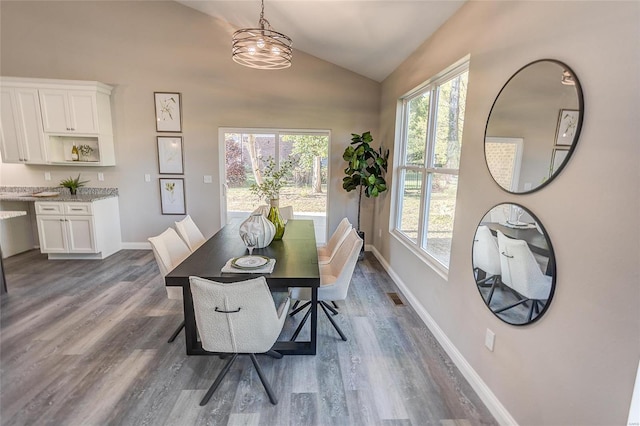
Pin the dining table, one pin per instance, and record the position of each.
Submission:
(296, 265)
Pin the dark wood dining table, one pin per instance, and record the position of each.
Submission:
(296, 266)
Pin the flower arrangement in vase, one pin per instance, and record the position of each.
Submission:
(269, 182)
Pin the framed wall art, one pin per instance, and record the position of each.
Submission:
(170, 159)
(172, 199)
(168, 112)
(567, 126)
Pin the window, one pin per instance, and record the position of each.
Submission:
(427, 165)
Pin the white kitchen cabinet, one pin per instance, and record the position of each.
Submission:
(22, 139)
(69, 111)
(78, 230)
(55, 116)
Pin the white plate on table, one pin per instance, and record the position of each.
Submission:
(250, 262)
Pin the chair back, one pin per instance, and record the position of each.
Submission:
(236, 317)
(335, 276)
(485, 251)
(286, 212)
(169, 251)
(190, 233)
(327, 253)
(520, 271)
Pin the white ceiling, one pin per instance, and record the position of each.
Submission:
(369, 37)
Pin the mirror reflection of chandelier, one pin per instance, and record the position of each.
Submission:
(262, 48)
(567, 78)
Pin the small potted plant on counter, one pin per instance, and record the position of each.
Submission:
(73, 184)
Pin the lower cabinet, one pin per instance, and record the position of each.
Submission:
(78, 230)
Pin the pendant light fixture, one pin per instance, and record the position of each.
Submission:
(262, 48)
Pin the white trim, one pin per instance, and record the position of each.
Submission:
(136, 246)
(484, 392)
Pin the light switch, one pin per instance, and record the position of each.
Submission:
(489, 339)
(207, 179)
(147, 177)
(101, 177)
(47, 176)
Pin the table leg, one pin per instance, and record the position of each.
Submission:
(190, 331)
(314, 318)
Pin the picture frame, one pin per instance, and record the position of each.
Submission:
(170, 157)
(168, 107)
(558, 158)
(567, 126)
(172, 197)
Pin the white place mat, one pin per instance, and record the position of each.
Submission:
(266, 269)
(520, 225)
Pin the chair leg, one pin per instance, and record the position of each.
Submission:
(295, 305)
(299, 309)
(493, 288)
(273, 354)
(326, 305)
(335, 305)
(218, 380)
(333, 323)
(513, 305)
(264, 380)
(175, 333)
(304, 320)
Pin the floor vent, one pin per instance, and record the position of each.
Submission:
(395, 299)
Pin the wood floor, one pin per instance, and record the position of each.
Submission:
(85, 343)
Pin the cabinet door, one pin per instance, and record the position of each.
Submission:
(83, 110)
(55, 111)
(34, 148)
(81, 234)
(10, 140)
(52, 233)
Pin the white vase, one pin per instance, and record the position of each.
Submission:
(259, 226)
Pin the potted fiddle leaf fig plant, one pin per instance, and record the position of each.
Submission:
(73, 184)
(365, 169)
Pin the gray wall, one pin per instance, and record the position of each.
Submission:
(576, 366)
(142, 47)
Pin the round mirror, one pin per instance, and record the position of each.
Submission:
(513, 264)
(533, 126)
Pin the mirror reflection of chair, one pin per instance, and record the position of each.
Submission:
(521, 273)
(190, 233)
(335, 278)
(237, 318)
(169, 251)
(486, 259)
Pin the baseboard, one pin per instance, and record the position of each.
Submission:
(489, 398)
(136, 246)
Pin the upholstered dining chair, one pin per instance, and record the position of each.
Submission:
(486, 259)
(190, 233)
(169, 251)
(335, 278)
(237, 318)
(521, 272)
(286, 212)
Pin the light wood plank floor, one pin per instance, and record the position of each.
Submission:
(84, 343)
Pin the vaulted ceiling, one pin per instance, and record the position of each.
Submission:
(369, 37)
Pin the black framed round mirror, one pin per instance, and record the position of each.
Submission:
(533, 126)
(513, 264)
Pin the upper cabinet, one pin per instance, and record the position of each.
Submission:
(22, 139)
(66, 114)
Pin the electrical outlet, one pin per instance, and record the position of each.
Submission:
(489, 339)
(101, 177)
(147, 177)
(47, 176)
(207, 179)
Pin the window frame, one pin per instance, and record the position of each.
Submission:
(427, 169)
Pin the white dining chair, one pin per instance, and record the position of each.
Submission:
(190, 233)
(237, 318)
(328, 251)
(169, 251)
(521, 273)
(486, 259)
(335, 278)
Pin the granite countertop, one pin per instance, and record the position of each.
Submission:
(26, 193)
